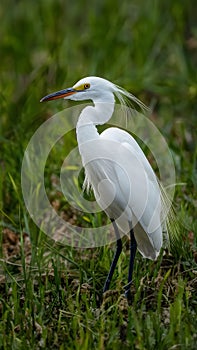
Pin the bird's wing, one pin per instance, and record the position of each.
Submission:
(145, 201)
(123, 137)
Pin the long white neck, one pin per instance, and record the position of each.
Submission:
(91, 116)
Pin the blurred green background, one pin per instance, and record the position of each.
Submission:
(149, 48)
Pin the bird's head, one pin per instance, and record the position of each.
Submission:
(98, 90)
(90, 88)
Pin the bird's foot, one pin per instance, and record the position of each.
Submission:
(127, 293)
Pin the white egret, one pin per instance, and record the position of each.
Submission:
(123, 181)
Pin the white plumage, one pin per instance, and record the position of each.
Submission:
(116, 168)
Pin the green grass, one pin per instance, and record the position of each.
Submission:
(50, 295)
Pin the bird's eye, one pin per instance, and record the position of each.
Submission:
(86, 86)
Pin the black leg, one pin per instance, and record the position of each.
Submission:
(133, 247)
(115, 259)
